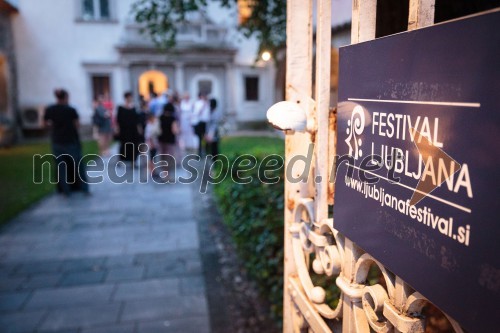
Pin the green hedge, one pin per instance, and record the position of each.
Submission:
(253, 213)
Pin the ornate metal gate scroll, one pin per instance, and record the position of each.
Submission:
(312, 244)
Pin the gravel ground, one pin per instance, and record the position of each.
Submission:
(234, 302)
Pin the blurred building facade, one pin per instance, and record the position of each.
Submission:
(8, 94)
(93, 47)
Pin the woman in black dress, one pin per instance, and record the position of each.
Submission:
(128, 127)
(168, 139)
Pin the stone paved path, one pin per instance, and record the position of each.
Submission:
(124, 260)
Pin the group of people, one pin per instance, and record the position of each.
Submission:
(204, 117)
(166, 123)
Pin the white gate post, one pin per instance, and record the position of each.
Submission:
(298, 90)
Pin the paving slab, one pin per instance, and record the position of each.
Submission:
(147, 289)
(81, 317)
(85, 264)
(80, 278)
(165, 308)
(119, 328)
(69, 296)
(125, 259)
(185, 325)
(120, 274)
(12, 301)
(20, 322)
(11, 283)
(42, 281)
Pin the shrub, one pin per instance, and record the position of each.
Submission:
(253, 213)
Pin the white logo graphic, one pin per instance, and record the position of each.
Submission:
(355, 127)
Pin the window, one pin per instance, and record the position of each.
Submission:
(96, 10)
(101, 86)
(251, 88)
(205, 87)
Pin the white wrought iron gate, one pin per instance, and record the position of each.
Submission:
(312, 244)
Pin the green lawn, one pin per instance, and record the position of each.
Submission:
(17, 189)
(248, 144)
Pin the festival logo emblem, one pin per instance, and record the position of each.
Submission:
(355, 127)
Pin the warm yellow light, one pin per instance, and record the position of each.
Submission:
(266, 56)
(152, 79)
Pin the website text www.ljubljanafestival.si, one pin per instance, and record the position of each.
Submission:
(423, 214)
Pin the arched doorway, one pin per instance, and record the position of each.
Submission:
(152, 81)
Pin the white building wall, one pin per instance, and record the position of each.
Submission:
(254, 110)
(245, 64)
(52, 45)
(55, 49)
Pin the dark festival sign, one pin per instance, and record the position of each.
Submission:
(418, 186)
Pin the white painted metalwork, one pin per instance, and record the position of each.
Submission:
(311, 242)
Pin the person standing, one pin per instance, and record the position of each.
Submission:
(156, 103)
(168, 137)
(109, 106)
(163, 99)
(151, 133)
(143, 119)
(128, 129)
(200, 118)
(153, 104)
(102, 121)
(173, 98)
(212, 136)
(63, 122)
(186, 139)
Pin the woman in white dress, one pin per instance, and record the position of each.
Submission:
(187, 139)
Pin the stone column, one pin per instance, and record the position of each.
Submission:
(229, 89)
(126, 83)
(179, 77)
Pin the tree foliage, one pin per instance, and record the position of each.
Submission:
(162, 18)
